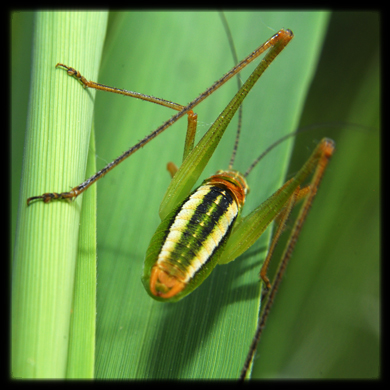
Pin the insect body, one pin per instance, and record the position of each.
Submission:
(190, 240)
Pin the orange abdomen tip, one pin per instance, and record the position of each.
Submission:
(164, 285)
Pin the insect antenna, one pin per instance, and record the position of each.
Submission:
(271, 147)
(299, 131)
(235, 59)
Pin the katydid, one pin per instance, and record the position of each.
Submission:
(205, 227)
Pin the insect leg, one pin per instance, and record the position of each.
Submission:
(276, 44)
(318, 162)
(192, 117)
(281, 220)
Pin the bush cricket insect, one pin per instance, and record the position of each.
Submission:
(208, 221)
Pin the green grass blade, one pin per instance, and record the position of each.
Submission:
(82, 334)
(56, 147)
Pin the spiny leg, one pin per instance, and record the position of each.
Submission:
(323, 154)
(192, 117)
(283, 217)
(276, 44)
(76, 191)
(195, 163)
(281, 221)
(191, 130)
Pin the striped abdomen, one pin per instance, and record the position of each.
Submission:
(187, 244)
